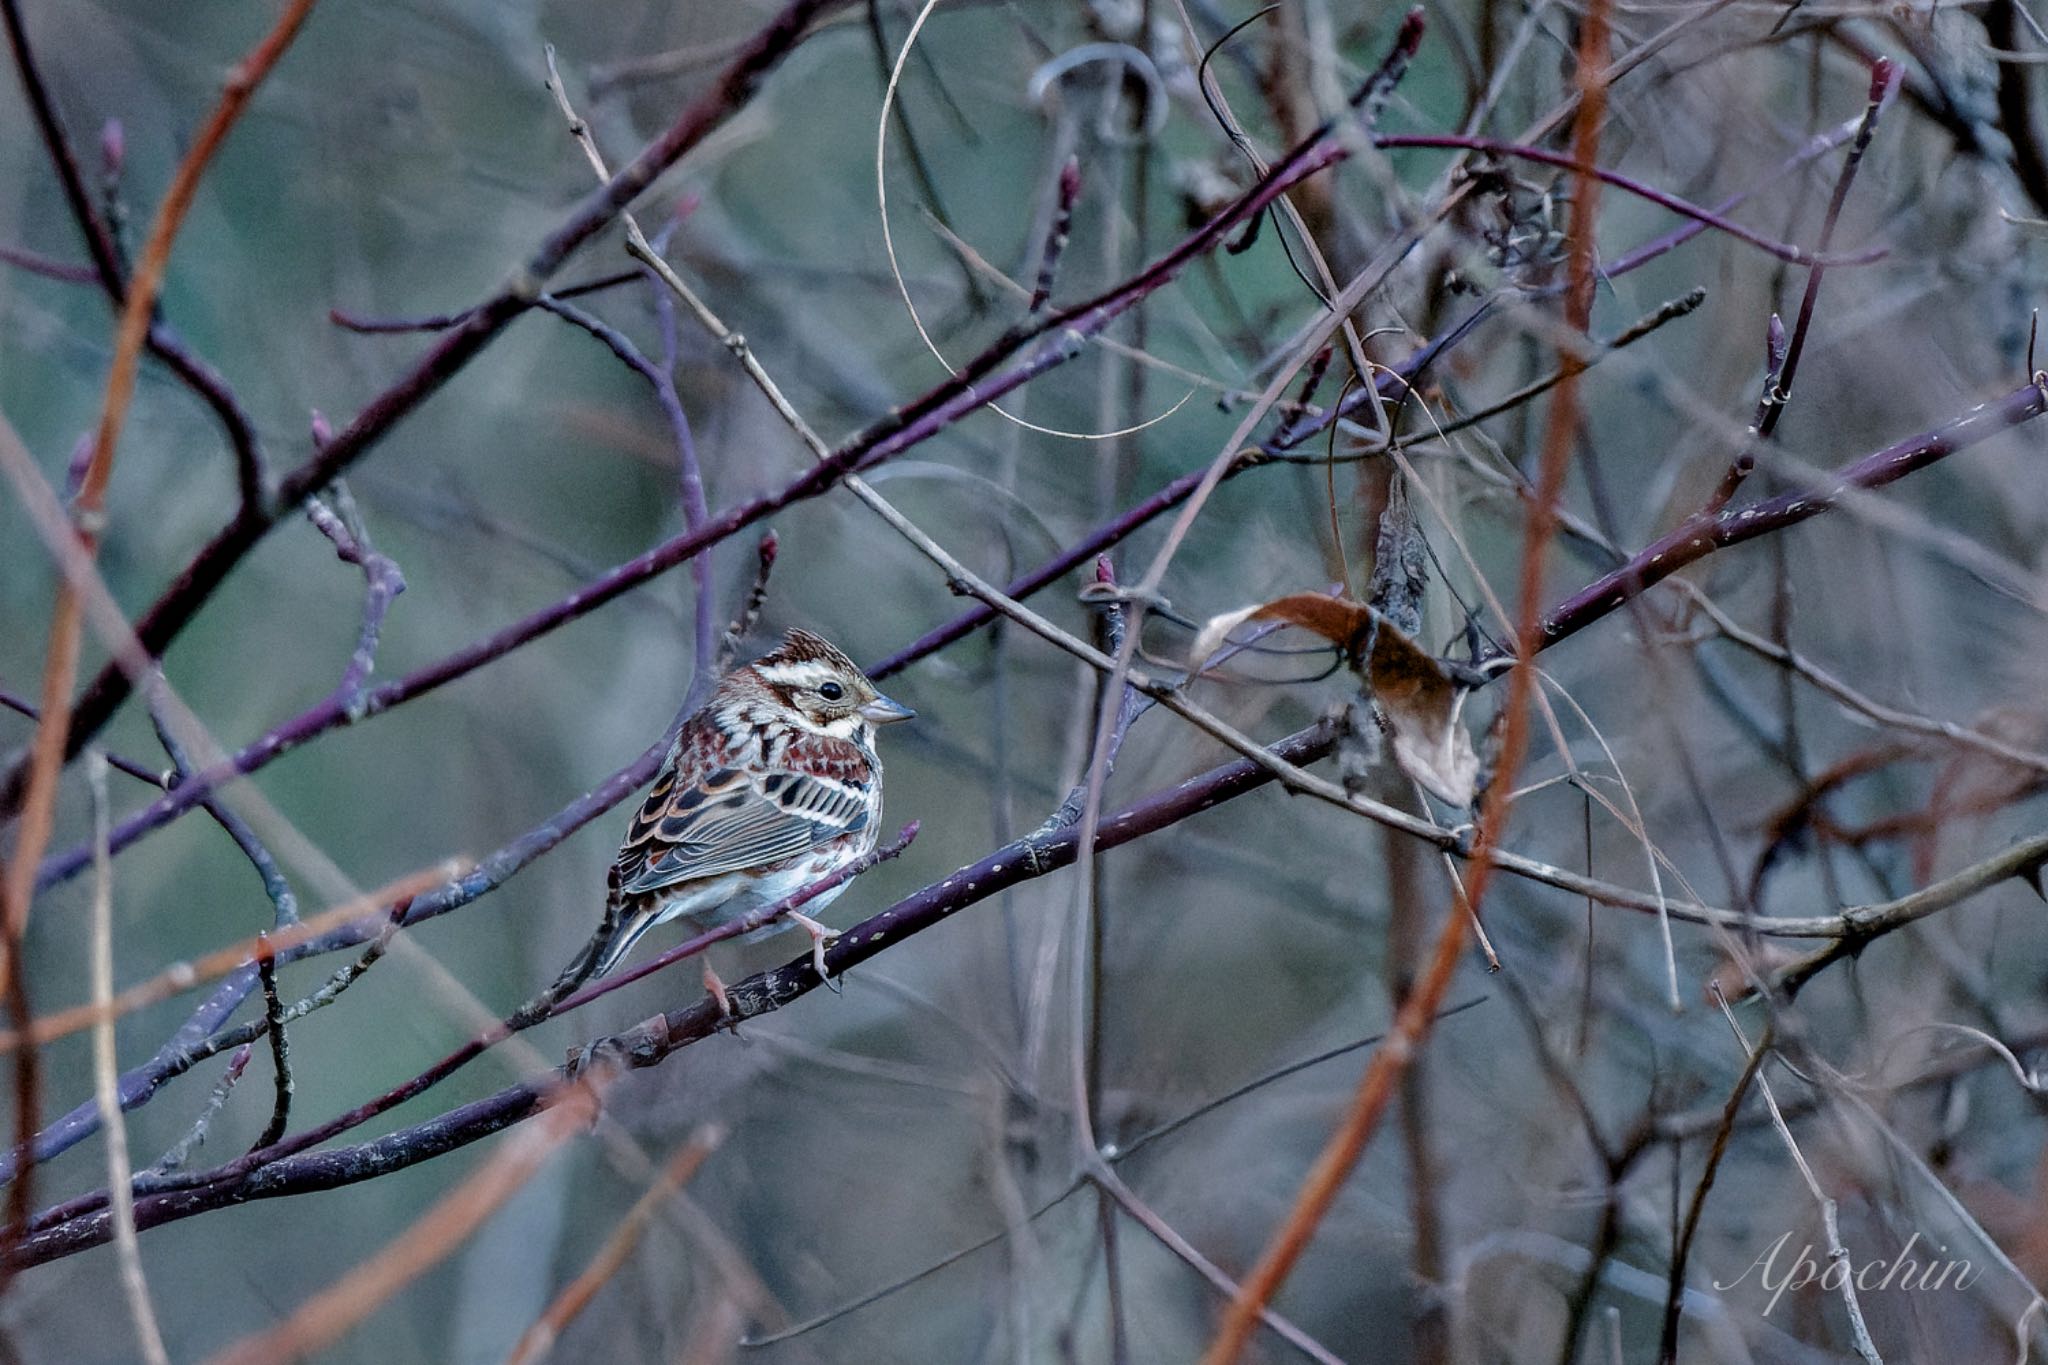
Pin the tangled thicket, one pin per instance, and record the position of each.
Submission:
(1576, 899)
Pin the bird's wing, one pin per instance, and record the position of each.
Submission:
(732, 820)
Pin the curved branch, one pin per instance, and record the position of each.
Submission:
(1699, 536)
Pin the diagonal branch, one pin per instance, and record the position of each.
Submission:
(50, 746)
(1022, 860)
(1417, 1012)
(190, 591)
(1699, 536)
(108, 271)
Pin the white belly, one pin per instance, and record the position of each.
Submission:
(729, 897)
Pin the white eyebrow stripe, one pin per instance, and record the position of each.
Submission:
(806, 673)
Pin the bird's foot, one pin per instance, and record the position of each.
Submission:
(716, 987)
(820, 936)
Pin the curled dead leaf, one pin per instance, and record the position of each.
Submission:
(1416, 697)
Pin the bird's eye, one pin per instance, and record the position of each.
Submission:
(831, 691)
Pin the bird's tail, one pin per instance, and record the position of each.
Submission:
(625, 931)
(616, 934)
(596, 957)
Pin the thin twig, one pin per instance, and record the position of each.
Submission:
(537, 1341)
(183, 976)
(382, 583)
(1629, 185)
(1822, 680)
(1667, 1350)
(326, 1317)
(181, 1151)
(1669, 311)
(35, 263)
(1838, 1255)
(689, 474)
(105, 1071)
(160, 778)
(1883, 80)
(280, 1048)
(750, 611)
(65, 637)
(1414, 1016)
(283, 900)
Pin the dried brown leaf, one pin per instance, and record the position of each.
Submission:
(1418, 700)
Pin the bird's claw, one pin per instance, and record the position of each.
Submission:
(716, 987)
(820, 936)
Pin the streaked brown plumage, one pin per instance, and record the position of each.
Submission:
(773, 784)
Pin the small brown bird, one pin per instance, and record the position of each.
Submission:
(773, 784)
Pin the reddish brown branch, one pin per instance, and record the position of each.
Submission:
(536, 1341)
(1418, 1011)
(108, 269)
(48, 750)
(196, 583)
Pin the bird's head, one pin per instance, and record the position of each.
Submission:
(823, 688)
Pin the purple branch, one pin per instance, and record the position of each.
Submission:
(1883, 79)
(1699, 536)
(49, 267)
(1707, 218)
(1814, 147)
(441, 322)
(689, 473)
(1068, 193)
(141, 771)
(382, 583)
(251, 466)
(284, 904)
(431, 322)
(196, 584)
(1019, 861)
(1098, 540)
(99, 242)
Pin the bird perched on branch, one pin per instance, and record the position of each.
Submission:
(772, 785)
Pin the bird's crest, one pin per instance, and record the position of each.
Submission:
(800, 647)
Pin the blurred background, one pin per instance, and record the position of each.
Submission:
(916, 1134)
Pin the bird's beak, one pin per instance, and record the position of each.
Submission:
(882, 711)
